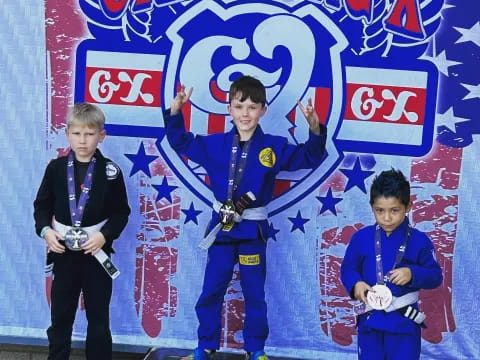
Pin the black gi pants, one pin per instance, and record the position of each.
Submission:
(75, 272)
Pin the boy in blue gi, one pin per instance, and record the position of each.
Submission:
(241, 165)
(80, 209)
(384, 267)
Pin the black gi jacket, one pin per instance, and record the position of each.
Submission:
(107, 198)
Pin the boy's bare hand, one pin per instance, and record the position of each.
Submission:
(51, 238)
(94, 243)
(179, 100)
(311, 116)
(400, 276)
(360, 291)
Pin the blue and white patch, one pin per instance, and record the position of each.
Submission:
(112, 170)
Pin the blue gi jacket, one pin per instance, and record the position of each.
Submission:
(268, 156)
(359, 265)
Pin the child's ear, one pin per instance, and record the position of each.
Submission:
(409, 206)
(103, 133)
(264, 109)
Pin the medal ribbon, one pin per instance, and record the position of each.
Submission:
(381, 279)
(235, 173)
(76, 211)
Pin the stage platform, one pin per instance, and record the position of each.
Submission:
(38, 352)
(9, 351)
(176, 354)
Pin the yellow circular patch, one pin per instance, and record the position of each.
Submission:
(267, 157)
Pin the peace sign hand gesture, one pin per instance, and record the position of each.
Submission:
(311, 116)
(179, 100)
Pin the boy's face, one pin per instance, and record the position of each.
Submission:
(84, 141)
(389, 212)
(246, 115)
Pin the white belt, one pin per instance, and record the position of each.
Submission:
(398, 303)
(100, 255)
(90, 230)
(259, 213)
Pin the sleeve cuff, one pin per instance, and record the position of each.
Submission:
(44, 231)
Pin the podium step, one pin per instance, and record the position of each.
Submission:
(176, 354)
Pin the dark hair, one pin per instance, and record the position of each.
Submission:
(248, 87)
(390, 183)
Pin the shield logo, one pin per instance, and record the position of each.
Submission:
(290, 71)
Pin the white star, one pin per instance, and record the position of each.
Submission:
(474, 91)
(445, 7)
(448, 119)
(441, 61)
(472, 34)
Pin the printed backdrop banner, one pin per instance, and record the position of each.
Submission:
(395, 81)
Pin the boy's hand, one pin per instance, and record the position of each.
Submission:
(360, 291)
(181, 98)
(94, 243)
(51, 238)
(400, 276)
(311, 116)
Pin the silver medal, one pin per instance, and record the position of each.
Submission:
(380, 297)
(75, 238)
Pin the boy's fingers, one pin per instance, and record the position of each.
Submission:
(56, 246)
(300, 105)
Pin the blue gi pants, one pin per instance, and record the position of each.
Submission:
(222, 258)
(381, 345)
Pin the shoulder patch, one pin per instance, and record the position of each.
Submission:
(112, 170)
(267, 157)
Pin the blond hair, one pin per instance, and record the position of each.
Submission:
(86, 114)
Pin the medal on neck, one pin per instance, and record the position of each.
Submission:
(380, 297)
(227, 210)
(76, 236)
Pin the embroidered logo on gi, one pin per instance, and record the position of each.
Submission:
(267, 157)
(249, 259)
(112, 170)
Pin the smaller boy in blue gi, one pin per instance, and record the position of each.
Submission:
(241, 165)
(384, 267)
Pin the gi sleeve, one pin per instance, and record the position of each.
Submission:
(305, 156)
(183, 142)
(120, 210)
(351, 268)
(427, 273)
(43, 205)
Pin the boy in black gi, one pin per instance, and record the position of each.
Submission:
(242, 165)
(384, 267)
(80, 208)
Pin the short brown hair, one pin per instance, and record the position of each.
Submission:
(248, 87)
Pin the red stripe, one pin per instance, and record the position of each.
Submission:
(207, 180)
(217, 93)
(280, 187)
(216, 123)
(322, 103)
(187, 115)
